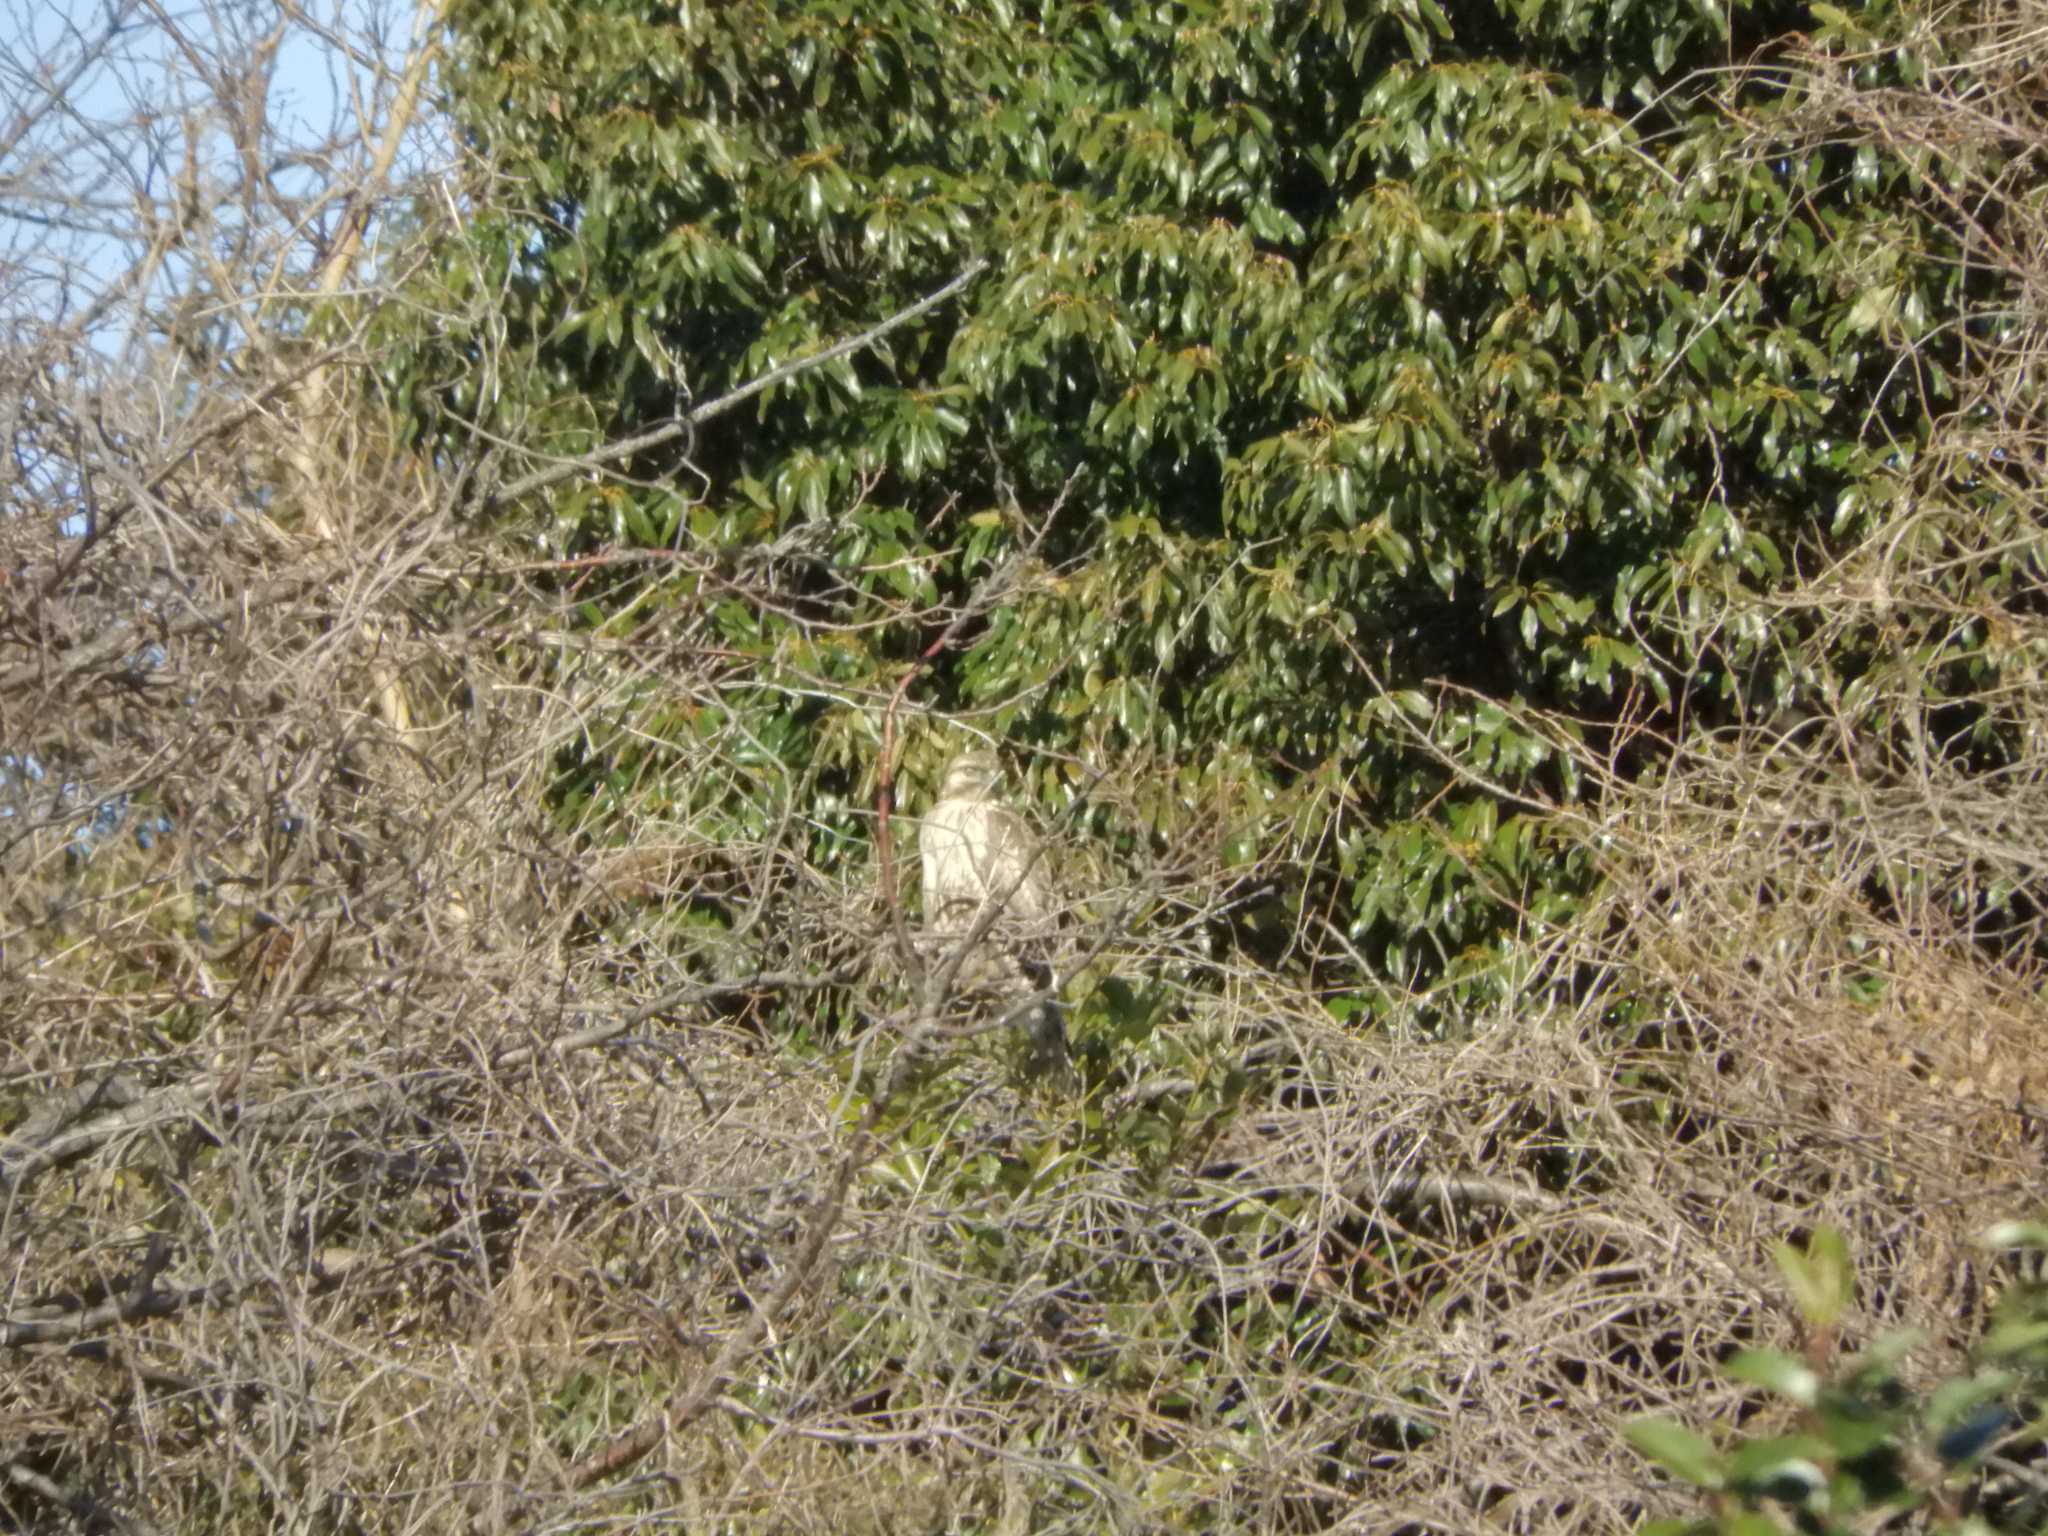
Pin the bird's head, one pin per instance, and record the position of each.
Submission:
(972, 775)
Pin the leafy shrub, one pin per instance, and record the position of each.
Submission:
(1869, 1444)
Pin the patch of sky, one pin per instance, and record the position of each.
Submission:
(112, 120)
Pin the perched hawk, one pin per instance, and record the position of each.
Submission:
(978, 851)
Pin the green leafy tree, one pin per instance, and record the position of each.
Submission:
(1406, 365)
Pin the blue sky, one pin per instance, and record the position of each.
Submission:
(123, 134)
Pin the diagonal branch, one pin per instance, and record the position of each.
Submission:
(668, 431)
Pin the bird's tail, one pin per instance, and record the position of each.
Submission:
(1043, 1024)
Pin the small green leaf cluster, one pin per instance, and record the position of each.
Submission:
(1867, 1447)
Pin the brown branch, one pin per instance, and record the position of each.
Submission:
(681, 997)
(49, 1145)
(89, 1512)
(140, 1299)
(686, 1407)
(214, 431)
(1470, 1190)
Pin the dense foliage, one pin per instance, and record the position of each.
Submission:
(1407, 359)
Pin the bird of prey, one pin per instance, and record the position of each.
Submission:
(977, 852)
